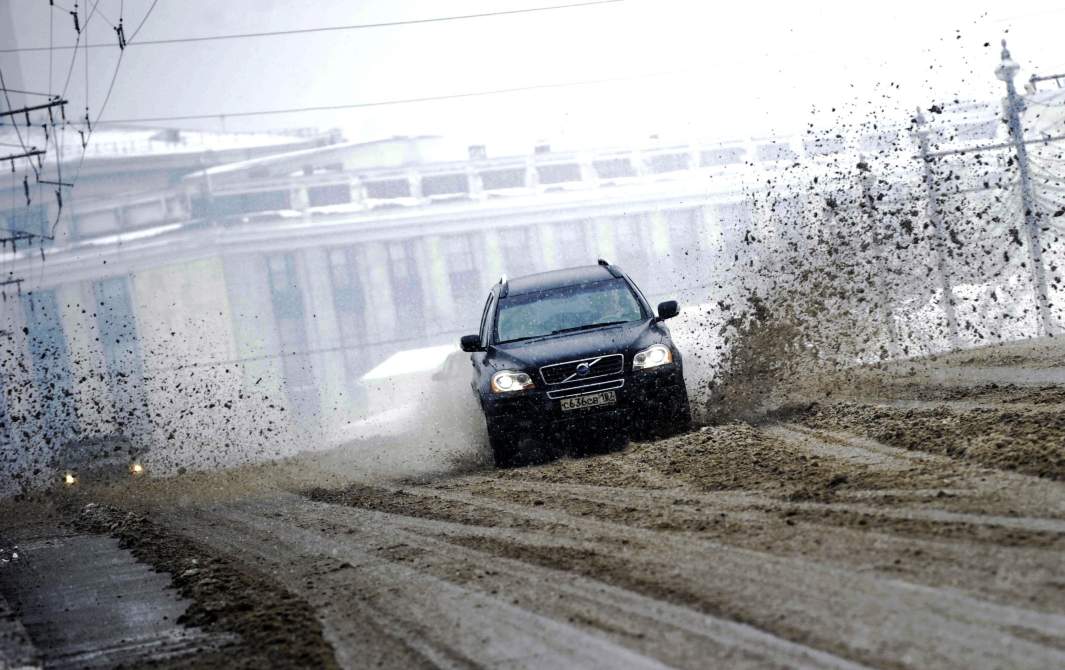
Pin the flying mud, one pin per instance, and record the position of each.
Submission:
(903, 515)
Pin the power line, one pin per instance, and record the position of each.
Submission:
(103, 105)
(66, 10)
(59, 101)
(140, 25)
(303, 31)
(111, 87)
(17, 90)
(398, 101)
(92, 128)
(73, 56)
(18, 133)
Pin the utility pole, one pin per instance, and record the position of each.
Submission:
(1006, 71)
(935, 217)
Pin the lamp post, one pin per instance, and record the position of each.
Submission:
(1006, 71)
(936, 219)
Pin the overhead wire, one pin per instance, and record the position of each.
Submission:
(14, 124)
(58, 6)
(23, 92)
(57, 142)
(103, 105)
(137, 30)
(396, 101)
(321, 29)
(86, 46)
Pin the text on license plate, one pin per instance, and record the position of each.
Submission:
(589, 400)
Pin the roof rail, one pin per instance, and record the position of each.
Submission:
(612, 269)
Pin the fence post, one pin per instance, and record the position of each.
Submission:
(935, 217)
(1006, 71)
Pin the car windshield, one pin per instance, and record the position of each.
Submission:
(565, 309)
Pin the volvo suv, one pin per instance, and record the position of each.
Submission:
(575, 351)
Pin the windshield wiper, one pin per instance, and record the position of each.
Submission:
(563, 330)
(522, 339)
(586, 327)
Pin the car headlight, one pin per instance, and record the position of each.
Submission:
(652, 357)
(506, 381)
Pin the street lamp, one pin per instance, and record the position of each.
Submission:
(1008, 68)
(1006, 71)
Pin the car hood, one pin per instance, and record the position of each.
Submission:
(622, 338)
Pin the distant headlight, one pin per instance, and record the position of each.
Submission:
(136, 469)
(652, 357)
(69, 479)
(507, 381)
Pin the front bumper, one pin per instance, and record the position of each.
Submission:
(644, 396)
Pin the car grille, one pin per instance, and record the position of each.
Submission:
(598, 366)
(594, 387)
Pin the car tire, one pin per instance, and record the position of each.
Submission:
(504, 450)
(678, 420)
(682, 418)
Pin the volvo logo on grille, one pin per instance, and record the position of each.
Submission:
(585, 368)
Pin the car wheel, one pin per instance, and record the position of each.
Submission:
(504, 450)
(682, 418)
(677, 420)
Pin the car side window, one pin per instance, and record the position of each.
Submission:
(484, 318)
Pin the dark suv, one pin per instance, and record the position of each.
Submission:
(575, 350)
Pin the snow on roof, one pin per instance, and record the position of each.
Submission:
(410, 361)
(272, 159)
(125, 142)
(297, 155)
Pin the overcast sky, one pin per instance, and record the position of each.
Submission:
(682, 69)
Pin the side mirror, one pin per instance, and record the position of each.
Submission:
(470, 343)
(667, 310)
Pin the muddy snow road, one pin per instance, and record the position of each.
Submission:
(915, 522)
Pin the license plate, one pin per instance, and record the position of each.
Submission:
(589, 400)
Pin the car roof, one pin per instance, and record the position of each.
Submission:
(558, 278)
